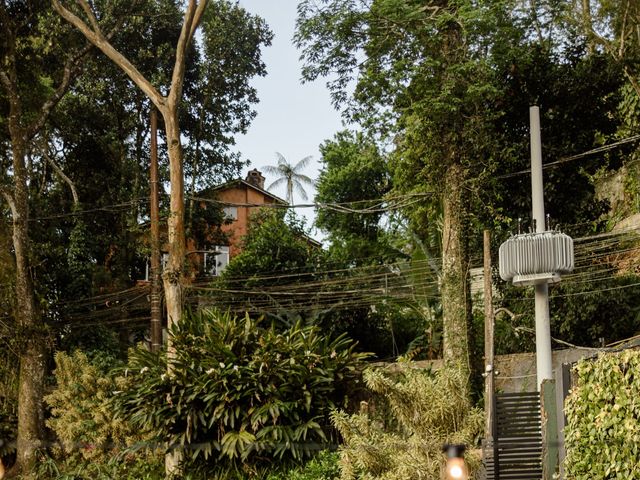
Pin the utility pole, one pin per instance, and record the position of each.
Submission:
(543, 330)
(156, 285)
(489, 390)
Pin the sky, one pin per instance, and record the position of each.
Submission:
(293, 118)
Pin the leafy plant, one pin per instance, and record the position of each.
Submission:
(425, 410)
(81, 414)
(238, 391)
(602, 435)
(324, 466)
(149, 466)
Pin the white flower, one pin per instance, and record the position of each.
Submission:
(210, 371)
(333, 354)
(144, 369)
(235, 367)
(222, 365)
(163, 377)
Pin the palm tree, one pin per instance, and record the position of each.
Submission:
(290, 174)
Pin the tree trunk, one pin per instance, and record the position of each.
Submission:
(173, 275)
(455, 260)
(30, 327)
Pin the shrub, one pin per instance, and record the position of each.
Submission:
(324, 466)
(81, 415)
(149, 466)
(602, 435)
(424, 410)
(240, 392)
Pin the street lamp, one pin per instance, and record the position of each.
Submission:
(455, 469)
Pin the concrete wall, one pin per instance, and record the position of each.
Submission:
(517, 372)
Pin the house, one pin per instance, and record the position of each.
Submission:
(239, 199)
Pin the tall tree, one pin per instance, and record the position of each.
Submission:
(85, 20)
(290, 175)
(354, 170)
(39, 61)
(421, 75)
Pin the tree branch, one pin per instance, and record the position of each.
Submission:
(70, 69)
(97, 38)
(192, 18)
(89, 13)
(9, 75)
(44, 150)
(8, 195)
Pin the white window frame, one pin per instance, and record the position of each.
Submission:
(230, 212)
(220, 258)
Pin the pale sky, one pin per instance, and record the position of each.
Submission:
(293, 119)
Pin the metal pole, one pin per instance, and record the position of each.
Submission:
(543, 330)
(156, 287)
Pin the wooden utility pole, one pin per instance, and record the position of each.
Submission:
(156, 281)
(489, 390)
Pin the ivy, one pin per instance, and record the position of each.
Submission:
(602, 434)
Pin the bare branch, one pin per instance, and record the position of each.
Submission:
(192, 18)
(622, 30)
(89, 13)
(100, 41)
(70, 70)
(44, 150)
(7, 193)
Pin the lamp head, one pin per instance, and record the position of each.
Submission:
(455, 469)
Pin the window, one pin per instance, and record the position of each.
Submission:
(230, 213)
(216, 261)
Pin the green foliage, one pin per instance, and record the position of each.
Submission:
(353, 171)
(274, 244)
(136, 466)
(602, 435)
(425, 411)
(238, 392)
(323, 466)
(221, 98)
(81, 415)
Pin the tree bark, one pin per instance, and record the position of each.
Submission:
(173, 276)
(31, 330)
(455, 260)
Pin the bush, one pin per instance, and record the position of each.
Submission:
(240, 392)
(423, 412)
(81, 415)
(324, 466)
(602, 435)
(122, 467)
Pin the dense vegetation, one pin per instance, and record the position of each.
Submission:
(602, 431)
(435, 97)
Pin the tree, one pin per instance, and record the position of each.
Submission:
(354, 173)
(290, 175)
(40, 60)
(421, 75)
(87, 23)
(276, 255)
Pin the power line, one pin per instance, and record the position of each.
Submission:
(601, 149)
